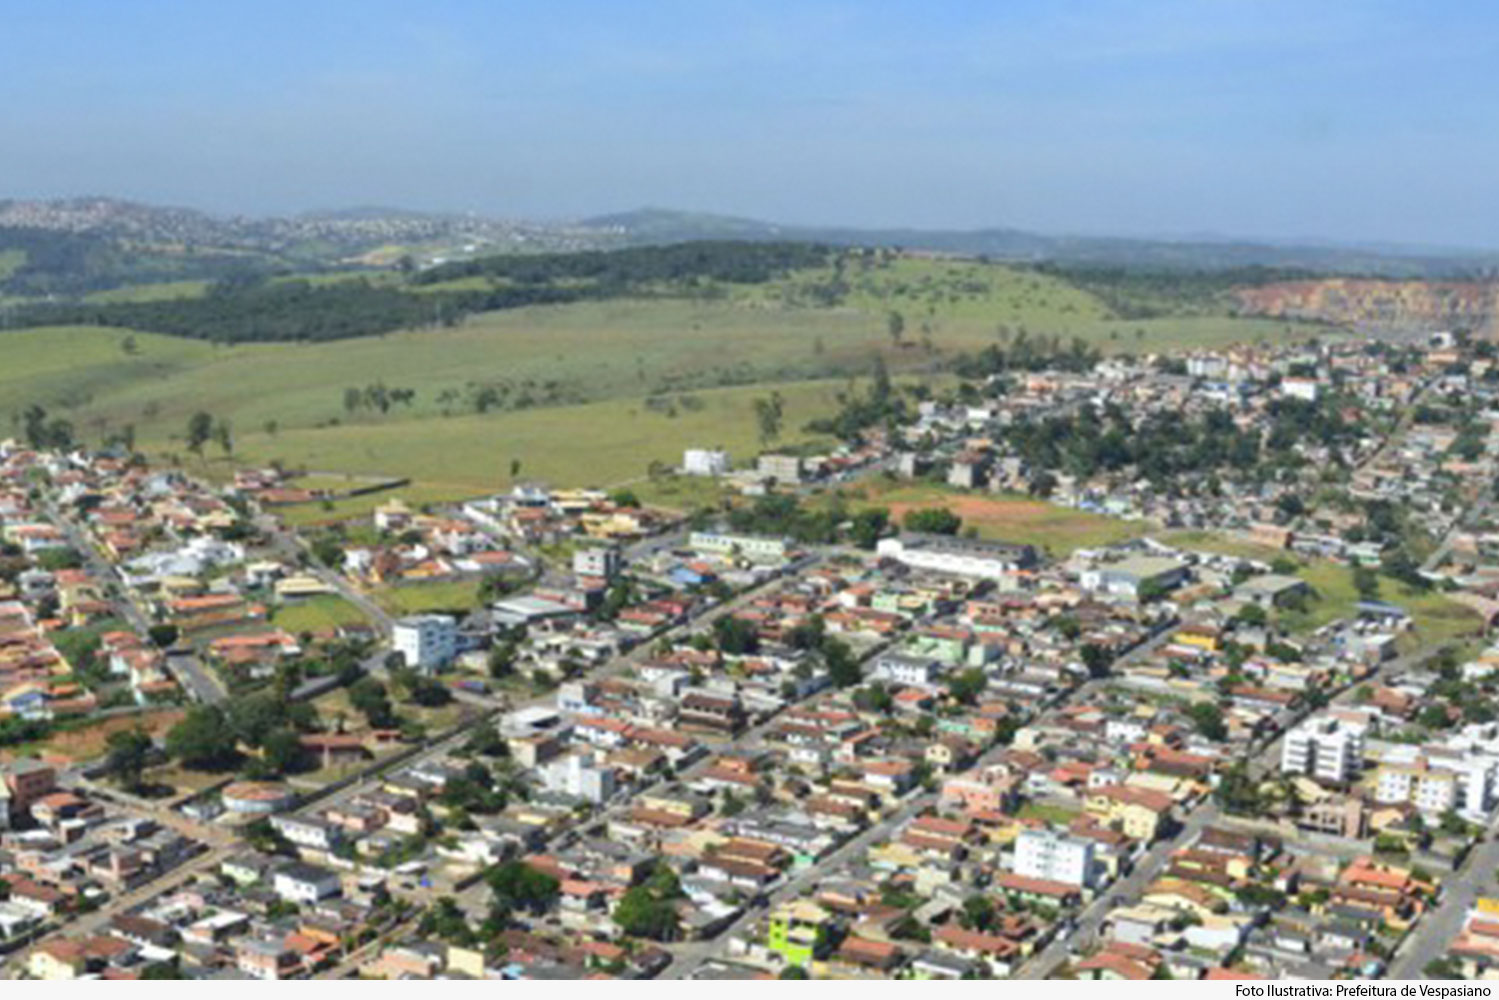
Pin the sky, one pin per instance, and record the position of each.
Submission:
(1373, 122)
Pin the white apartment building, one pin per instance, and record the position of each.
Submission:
(428, 642)
(577, 775)
(958, 556)
(1054, 856)
(1324, 747)
(705, 462)
(908, 671)
(597, 560)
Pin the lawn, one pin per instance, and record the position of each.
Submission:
(1053, 529)
(321, 614)
(1208, 541)
(1046, 813)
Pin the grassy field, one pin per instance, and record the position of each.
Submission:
(680, 493)
(319, 614)
(572, 380)
(1056, 530)
(1437, 617)
(416, 598)
(597, 444)
(414, 495)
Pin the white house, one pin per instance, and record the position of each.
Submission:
(301, 883)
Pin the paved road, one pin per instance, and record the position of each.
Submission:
(292, 547)
(1437, 929)
(195, 679)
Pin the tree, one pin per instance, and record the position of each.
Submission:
(768, 413)
(199, 430)
(977, 913)
(222, 433)
(932, 520)
(125, 760)
(370, 698)
(735, 636)
(283, 750)
(868, 527)
(128, 345)
(1208, 718)
(203, 740)
(518, 886)
(895, 325)
(1097, 659)
(843, 666)
(1252, 614)
(514, 467)
(793, 972)
(641, 913)
(967, 685)
(162, 635)
(874, 698)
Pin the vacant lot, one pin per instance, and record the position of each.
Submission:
(416, 598)
(1437, 617)
(1056, 530)
(319, 615)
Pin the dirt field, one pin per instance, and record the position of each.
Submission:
(1057, 530)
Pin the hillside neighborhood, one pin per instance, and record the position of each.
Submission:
(1175, 665)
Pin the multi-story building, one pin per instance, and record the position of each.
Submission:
(597, 560)
(799, 931)
(781, 468)
(428, 642)
(578, 776)
(1325, 747)
(705, 462)
(1054, 856)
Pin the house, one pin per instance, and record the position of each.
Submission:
(1140, 813)
(304, 883)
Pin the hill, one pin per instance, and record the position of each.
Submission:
(557, 385)
(73, 247)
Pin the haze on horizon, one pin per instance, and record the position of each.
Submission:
(1353, 122)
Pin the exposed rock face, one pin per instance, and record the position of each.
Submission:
(1393, 305)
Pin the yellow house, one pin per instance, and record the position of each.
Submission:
(1139, 812)
(1181, 895)
(1199, 636)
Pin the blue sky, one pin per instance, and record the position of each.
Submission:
(1372, 121)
